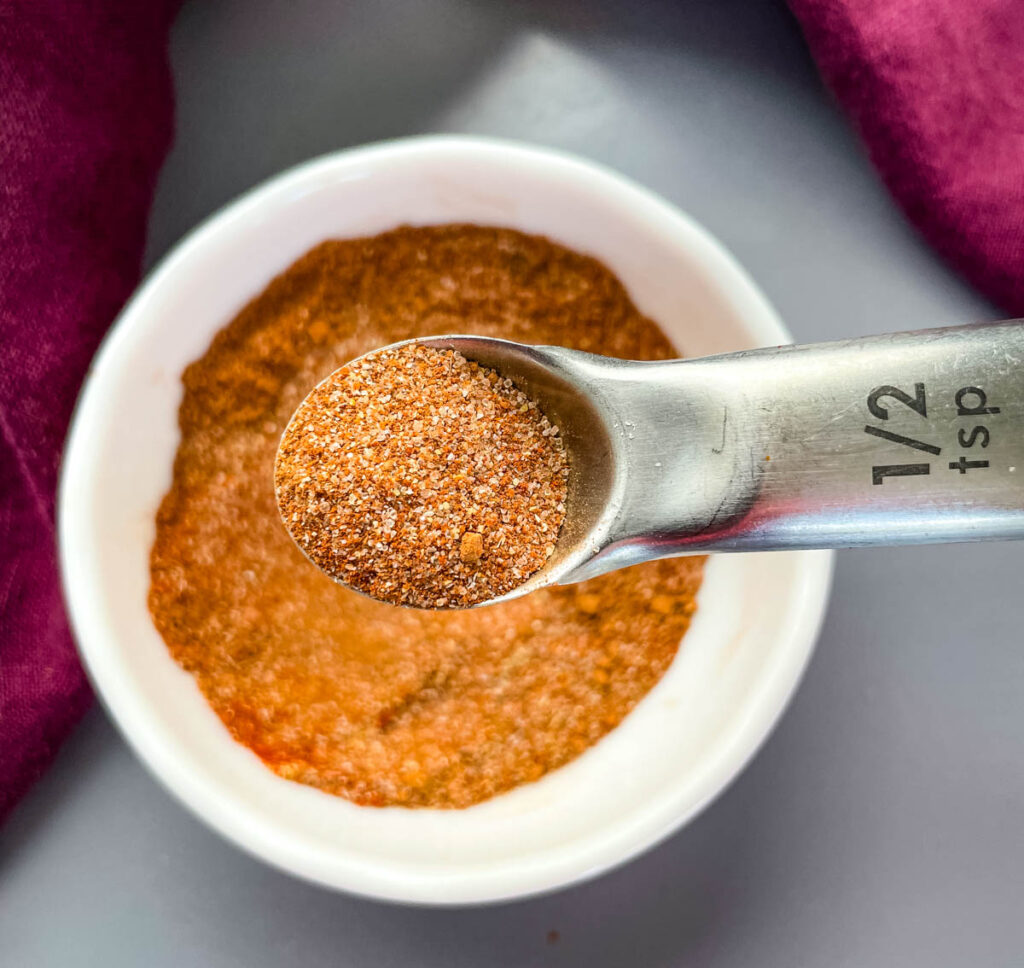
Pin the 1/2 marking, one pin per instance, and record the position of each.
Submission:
(919, 404)
(970, 401)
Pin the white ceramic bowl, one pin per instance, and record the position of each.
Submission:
(737, 668)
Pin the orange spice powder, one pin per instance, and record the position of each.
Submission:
(381, 704)
(394, 469)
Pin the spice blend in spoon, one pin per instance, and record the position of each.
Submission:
(420, 478)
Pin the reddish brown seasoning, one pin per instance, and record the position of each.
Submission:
(394, 469)
(379, 704)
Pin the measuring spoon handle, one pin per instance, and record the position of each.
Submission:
(907, 438)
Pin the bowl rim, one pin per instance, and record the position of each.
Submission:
(759, 320)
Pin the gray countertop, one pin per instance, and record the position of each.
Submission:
(881, 824)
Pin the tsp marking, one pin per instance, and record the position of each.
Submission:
(976, 408)
(970, 401)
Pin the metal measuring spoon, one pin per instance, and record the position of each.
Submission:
(908, 438)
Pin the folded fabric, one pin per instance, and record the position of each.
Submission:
(86, 103)
(936, 90)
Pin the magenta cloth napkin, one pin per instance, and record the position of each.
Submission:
(935, 87)
(936, 90)
(85, 121)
